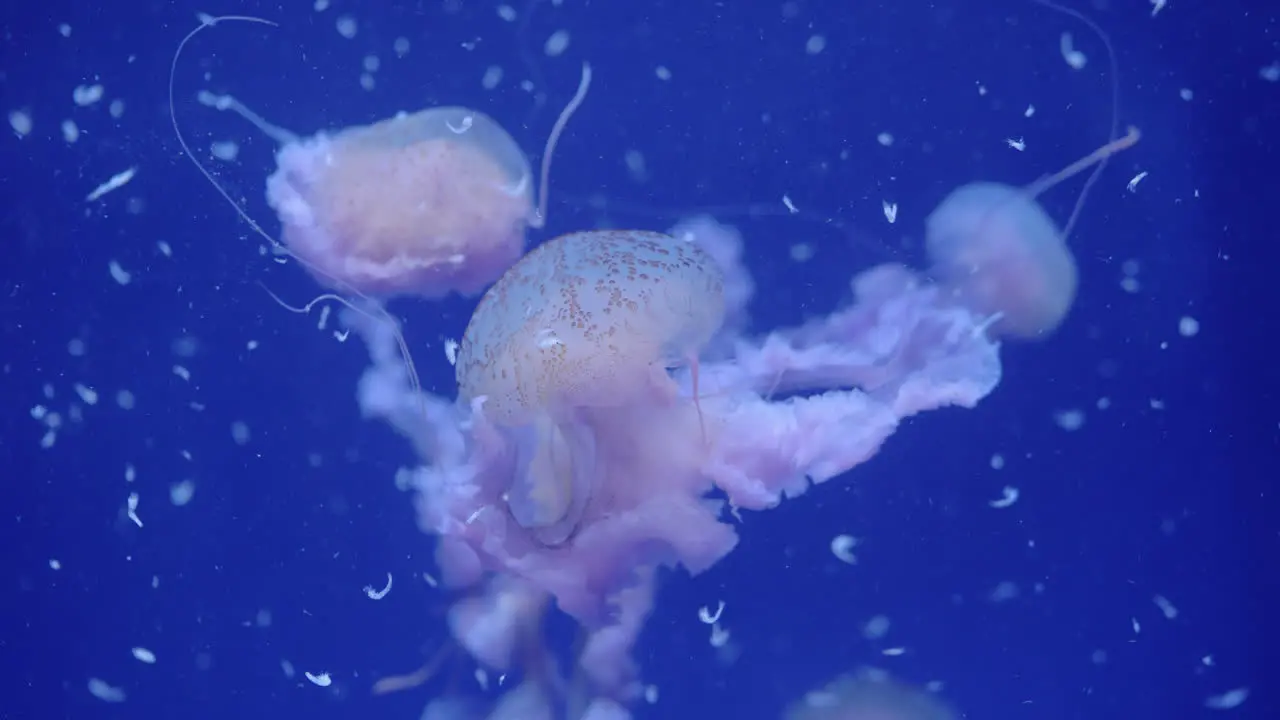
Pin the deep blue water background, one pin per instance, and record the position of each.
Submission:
(1177, 501)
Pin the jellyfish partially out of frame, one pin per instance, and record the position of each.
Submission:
(425, 203)
(869, 695)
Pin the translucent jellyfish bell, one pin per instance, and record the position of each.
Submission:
(428, 203)
(1002, 255)
(586, 321)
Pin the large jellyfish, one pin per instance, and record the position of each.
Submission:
(425, 203)
(593, 441)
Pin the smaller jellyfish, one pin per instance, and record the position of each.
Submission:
(869, 695)
(426, 203)
(1003, 256)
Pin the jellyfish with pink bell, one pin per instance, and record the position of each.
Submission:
(869, 695)
(425, 203)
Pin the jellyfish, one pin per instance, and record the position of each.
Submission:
(1001, 253)
(587, 322)
(426, 203)
(869, 695)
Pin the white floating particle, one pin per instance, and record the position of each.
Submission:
(506, 12)
(371, 63)
(1133, 184)
(21, 122)
(1004, 592)
(401, 46)
(116, 108)
(224, 150)
(1069, 420)
(88, 395)
(105, 691)
(55, 564)
(341, 335)
(119, 274)
(115, 182)
(662, 72)
(1188, 326)
(651, 694)
(430, 579)
(1270, 73)
(802, 252)
(1031, 110)
(791, 207)
(1137, 626)
(557, 43)
(1228, 699)
(1166, 607)
(347, 26)
(482, 678)
(885, 139)
(1186, 94)
(492, 76)
(321, 5)
(367, 82)
(842, 547)
(240, 432)
(164, 248)
(182, 372)
(180, 493)
(1207, 661)
(1008, 496)
(894, 651)
(378, 594)
(86, 95)
(1157, 6)
(130, 473)
(1019, 144)
(719, 636)
(705, 615)
(125, 400)
(144, 655)
(997, 462)
(133, 509)
(877, 627)
(321, 680)
(1074, 58)
(451, 351)
(815, 44)
(890, 211)
(64, 30)
(70, 131)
